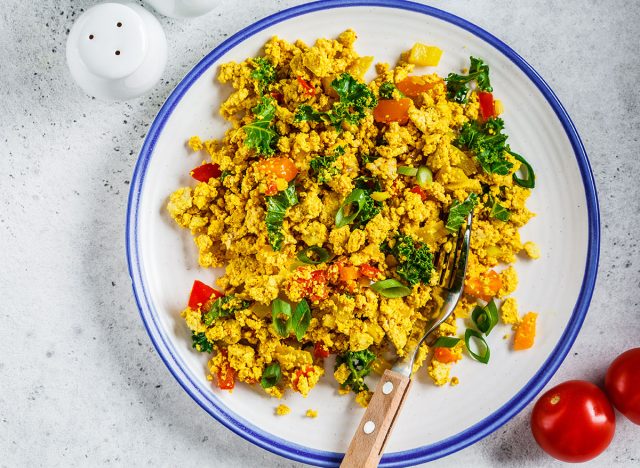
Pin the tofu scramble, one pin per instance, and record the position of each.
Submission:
(326, 201)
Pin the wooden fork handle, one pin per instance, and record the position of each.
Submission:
(368, 442)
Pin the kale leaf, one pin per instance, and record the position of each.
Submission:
(264, 73)
(276, 208)
(322, 166)
(260, 134)
(457, 85)
(355, 99)
(224, 306)
(415, 260)
(497, 210)
(359, 364)
(488, 144)
(459, 211)
(386, 90)
(200, 342)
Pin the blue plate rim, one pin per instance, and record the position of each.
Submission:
(211, 403)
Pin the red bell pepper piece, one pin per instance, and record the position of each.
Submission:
(206, 171)
(487, 105)
(369, 271)
(277, 96)
(417, 189)
(308, 88)
(320, 351)
(201, 294)
(227, 375)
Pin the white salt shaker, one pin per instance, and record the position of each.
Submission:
(182, 8)
(116, 51)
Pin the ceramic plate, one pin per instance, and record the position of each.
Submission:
(435, 421)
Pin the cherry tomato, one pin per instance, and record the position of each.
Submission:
(446, 355)
(413, 86)
(485, 286)
(573, 422)
(390, 110)
(622, 383)
(369, 271)
(279, 167)
(205, 172)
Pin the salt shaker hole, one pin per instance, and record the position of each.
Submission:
(119, 24)
(90, 36)
(117, 52)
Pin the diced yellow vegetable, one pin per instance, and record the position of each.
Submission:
(424, 55)
(380, 196)
(360, 66)
(498, 107)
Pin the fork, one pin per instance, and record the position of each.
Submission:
(367, 444)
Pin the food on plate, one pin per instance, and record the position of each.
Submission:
(282, 410)
(574, 421)
(622, 383)
(327, 200)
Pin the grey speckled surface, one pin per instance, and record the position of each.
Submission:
(80, 381)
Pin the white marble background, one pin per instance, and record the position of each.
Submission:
(81, 384)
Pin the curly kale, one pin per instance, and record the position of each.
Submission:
(359, 364)
(260, 133)
(488, 144)
(415, 260)
(458, 85)
(264, 73)
(224, 306)
(322, 166)
(355, 99)
(200, 342)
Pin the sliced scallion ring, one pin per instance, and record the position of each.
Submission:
(485, 317)
(424, 176)
(280, 308)
(391, 288)
(530, 178)
(446, 342)
(357, 197)
(408, 171)
(482, 346)
(320, 255)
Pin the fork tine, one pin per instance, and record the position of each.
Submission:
(448, 263)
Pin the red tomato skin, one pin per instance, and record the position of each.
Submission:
(205, 172)
(487, 105)
(320, 351)
(201, 293)
(573, 422)
(622, 383)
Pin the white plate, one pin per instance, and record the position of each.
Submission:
(435, 421)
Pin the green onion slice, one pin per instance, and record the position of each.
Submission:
(271, 375)
(407, 170)
(482, 345)
(446, 342)
(321, 255)
(280, 308)
(300, 319)
(530, 177)
(391, 288)
(424, 176)
(358, 197)
(485, 317)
